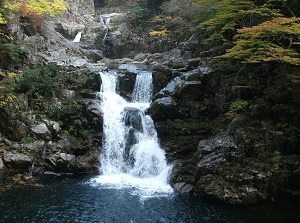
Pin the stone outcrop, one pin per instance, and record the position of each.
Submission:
(238, 165)
(17, 160)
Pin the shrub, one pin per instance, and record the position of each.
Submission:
(11, 55)
(40, 81)
(238, 106)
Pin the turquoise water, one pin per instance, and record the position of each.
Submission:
(75, 199)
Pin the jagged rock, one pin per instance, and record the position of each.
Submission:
(50, 162)
(17, 160)
(193, 75)
(170, 89)
(67, 157)
(46, 130)
(92, 107)
(162, 75)
(68, 29)
(36, 146)
(93, 55)
(219, 191)
(68, 95)
(222, 141)
(64, 144)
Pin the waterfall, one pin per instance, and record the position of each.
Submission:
(131, 155)
(104, 43)
(142, 91)
(77, 38)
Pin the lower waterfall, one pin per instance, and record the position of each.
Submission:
(131, 155)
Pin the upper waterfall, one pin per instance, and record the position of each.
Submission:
(77, 38)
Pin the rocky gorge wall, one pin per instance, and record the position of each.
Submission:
(227, 157)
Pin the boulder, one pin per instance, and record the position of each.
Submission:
(46, 130)
(17, 160)
(163, 109)
(92, 107)
(67, 157)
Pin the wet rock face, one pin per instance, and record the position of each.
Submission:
(133, 118)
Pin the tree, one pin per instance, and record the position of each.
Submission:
(275, 40)
(2, 19)
(36, 8)
(226, 16)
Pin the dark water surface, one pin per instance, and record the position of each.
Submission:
(73, 199)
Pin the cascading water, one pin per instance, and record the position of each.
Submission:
(77, 38)
(131, 155)
(104, 43)
(142, 91)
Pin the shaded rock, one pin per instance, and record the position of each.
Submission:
(41, 130)
(12, 128)
(68, 95)
(182, 176)
(162, 75)
(170, 89)
(46, 130)
(133, 118)
(1, 163)
(92, 107)
(50, 162)
(68, 29)
(93, 55)
(87, 163)
(183, 187)
(193, 75)
(222, 141)
(36, 146)
(64, 144)
(163, 108)
(67, 157)
(193, 62)
(214, 189)
(17, 160)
